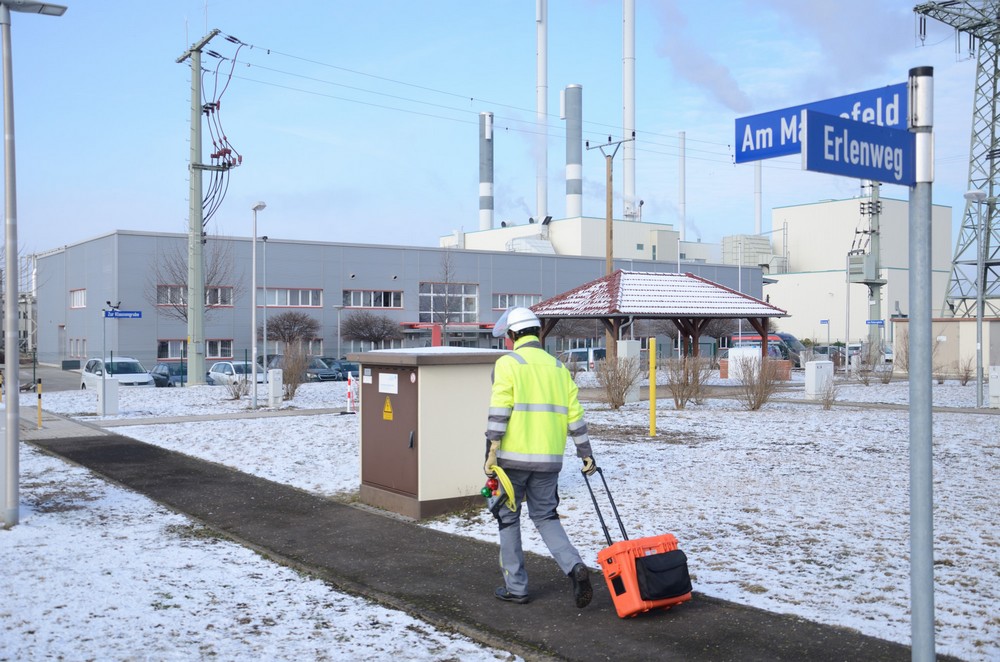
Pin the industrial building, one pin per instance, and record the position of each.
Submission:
(456, 293)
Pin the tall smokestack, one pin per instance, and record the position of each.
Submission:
(485, 171)
(572, 112)
(541, 101)
(628, 94)
(682, 193)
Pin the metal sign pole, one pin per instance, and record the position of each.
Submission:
(920, 122)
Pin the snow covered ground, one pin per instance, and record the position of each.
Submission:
(794, 509)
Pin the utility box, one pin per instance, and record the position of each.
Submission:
(819, 379)
(107, 398)
(423, 421)
(631, 349)
(994, 375)
(275, 388)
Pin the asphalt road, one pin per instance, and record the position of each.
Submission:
(53, 378)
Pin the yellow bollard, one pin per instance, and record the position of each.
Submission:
(652, 387)
(39, 403)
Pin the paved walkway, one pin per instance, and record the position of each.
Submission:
(447, 580)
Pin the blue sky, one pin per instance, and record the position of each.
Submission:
(357, 121)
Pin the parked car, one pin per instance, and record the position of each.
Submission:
(795, 348)
(776, 346)
(829, 353)
(316, 370)
(583, 359)
(169, 374)
(222, 373)
(342, 365)
(124, 370)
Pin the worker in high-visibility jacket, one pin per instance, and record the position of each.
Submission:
(533, 407)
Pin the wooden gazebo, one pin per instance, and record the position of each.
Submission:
(688, 301)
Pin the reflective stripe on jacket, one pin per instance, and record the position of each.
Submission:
(533, 408)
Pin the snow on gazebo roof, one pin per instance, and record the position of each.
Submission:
(655, 295)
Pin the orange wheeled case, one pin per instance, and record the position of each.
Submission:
(644, 574)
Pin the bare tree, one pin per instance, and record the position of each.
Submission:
(171, 269)
(292, 328)
(447, 307)
(365, 326)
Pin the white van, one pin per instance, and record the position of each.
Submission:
(583, 359)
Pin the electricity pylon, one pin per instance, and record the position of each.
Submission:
(980, 231)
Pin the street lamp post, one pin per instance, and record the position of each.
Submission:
(253, 307)
(9, 475)
(104, 356)
(339, 308)
(978, 197)
(264, 305)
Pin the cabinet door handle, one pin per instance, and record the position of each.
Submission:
(411, 438)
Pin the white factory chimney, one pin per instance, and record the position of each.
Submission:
(485, 171)
(628, 98)
(541, 101)
(572, 112)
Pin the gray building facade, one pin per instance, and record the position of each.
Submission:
(415, 287)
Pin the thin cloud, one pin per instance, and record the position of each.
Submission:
(694, 63)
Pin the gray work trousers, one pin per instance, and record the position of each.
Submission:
(541, 488)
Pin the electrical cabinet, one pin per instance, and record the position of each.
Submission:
(423, 422)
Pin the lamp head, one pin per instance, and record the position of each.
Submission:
(259, 206)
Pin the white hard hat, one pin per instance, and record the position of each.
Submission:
(515, 319)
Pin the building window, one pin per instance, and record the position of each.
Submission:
(171, 349)
(219, 349)
(289, 298)
(314, 347)
(219, 296)
(373, 299)
(449, 302)
(171, 295)
(78, 298)
(505, 301)
(639, 247)
(356, 346)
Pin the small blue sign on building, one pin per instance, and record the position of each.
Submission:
(123, 314)
(778, 132)
(839, 146)
(875, 322)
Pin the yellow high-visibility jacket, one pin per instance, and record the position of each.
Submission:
(533, 407)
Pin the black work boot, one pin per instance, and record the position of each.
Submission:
(582, 590)
(503, 594)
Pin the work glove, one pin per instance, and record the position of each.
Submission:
(589, 466)
(491, 458)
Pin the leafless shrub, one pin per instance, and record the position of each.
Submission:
(965, 369)
(238, 388)
(829, 394)
(901, 352)
(618, 378)
(884, 372)
(686, 379)
(758, 381)
(293, 369)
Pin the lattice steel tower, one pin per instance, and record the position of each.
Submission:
(980, 231)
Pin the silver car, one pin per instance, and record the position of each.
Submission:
(124, 370)
(226, 372)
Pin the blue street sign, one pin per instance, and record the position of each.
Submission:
(875, 322)
(824, 321)
(862, 151)
(123, 314)
(778, 132)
